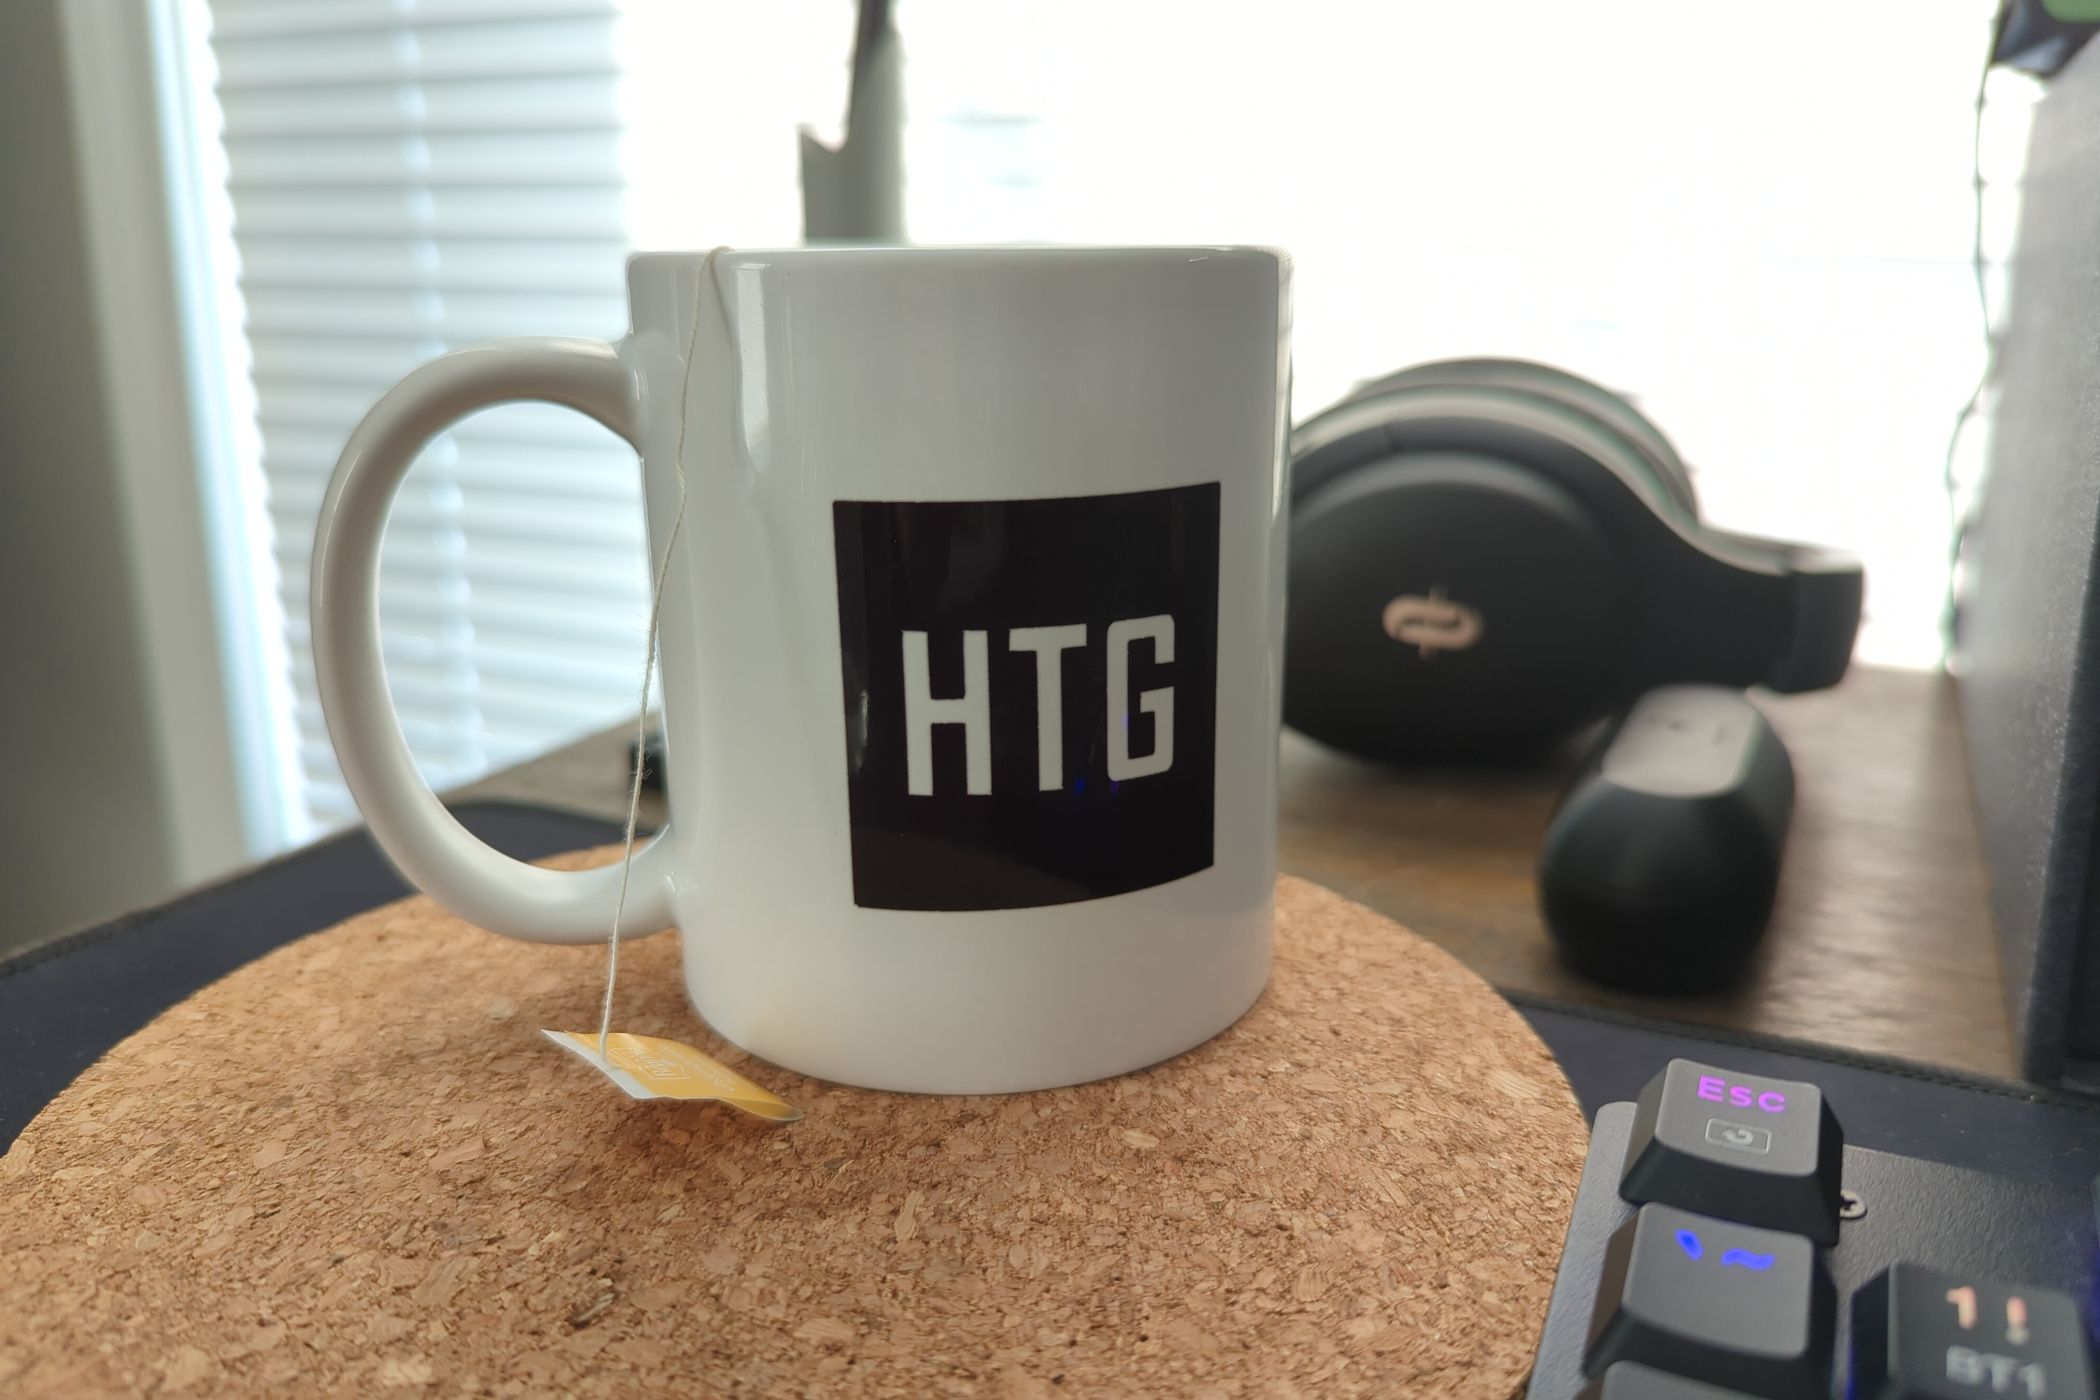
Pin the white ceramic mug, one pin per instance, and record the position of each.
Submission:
(971, 648)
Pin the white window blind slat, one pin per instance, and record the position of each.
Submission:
(527, 427)
(242, 19)
(528, 572)
(450, 265)
(574, 627)
(500, 734)
(461, 316)
(316, 761)
(577, 103)
(309, 359)
(419, 49)
(504, 720)
(523, 688)
(513, 471)
(407, 179)
(586, 525)
(518, 573)
(580, 158)
(297, 403)
(420, 209)
(507, 699)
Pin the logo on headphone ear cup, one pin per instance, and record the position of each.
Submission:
(1432, 624)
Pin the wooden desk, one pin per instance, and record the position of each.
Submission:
(1881, 942)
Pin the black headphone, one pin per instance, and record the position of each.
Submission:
(1487, 554)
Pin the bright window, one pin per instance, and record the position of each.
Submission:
(1754, 220)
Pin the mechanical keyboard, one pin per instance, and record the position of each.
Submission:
(1728, 1242)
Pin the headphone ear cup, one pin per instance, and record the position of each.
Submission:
(1450, 604)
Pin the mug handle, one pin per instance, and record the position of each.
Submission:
(424, 841)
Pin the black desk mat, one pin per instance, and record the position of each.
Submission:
(63, 1003)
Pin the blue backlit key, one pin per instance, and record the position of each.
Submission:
(1920, 1334)
(1762, 1151)
(1738, 1307)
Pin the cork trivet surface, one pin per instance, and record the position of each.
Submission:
(354, 1167)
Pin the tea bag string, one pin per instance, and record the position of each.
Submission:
(656, 601)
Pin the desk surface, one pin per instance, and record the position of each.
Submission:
(1881, 941)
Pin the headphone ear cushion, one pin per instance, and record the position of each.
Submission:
(1449, 604)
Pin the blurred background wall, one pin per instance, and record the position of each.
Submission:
(83, 810)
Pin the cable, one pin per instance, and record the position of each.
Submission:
(656, 603)
(1957, 521)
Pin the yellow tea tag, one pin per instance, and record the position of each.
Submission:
(648, 1068)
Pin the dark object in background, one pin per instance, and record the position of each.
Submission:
(1659, 867)
(2041, 36)
(1488, 554)
(2027, 619)
(854, 192)
(650, 754)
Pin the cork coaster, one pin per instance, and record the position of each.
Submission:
(353, 1166)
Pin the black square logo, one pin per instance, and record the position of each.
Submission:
(1031, 695)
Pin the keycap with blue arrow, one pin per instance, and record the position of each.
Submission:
(1711, 1300)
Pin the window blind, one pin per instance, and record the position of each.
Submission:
(407, 177)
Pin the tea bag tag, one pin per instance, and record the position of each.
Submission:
(645, 1067)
